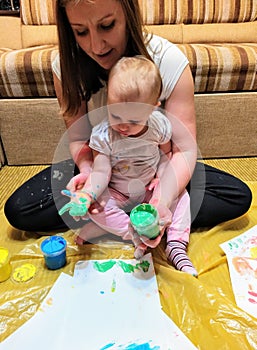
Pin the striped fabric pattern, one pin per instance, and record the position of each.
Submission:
(197, 11)
(37, 12)
(27, 72)
(221, 68)
(215, 68)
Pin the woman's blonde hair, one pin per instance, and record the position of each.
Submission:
(80, 75)
(136, 79)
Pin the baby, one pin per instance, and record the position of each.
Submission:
(131, 149)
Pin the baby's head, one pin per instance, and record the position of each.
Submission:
(134, 79)
(134, 87)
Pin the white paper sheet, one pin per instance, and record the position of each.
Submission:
(241, 253)
(95, 310)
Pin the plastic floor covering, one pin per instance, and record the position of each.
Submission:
(204, 308)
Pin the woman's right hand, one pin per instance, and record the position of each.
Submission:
(77, 182)
(165, 218)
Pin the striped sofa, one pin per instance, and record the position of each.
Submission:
(219, 37)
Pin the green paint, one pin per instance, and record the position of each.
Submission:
(144, 265)
(83, 200)
(144, 219)
(127, 268)
(104, 266)
(74, 209)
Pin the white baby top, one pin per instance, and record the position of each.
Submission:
(134, 160)
(167, 56)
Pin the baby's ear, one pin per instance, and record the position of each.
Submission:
(158, 104)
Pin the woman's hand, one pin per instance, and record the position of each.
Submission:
(77, 182)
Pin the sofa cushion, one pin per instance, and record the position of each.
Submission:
(222, 68)
(216, 63)
(37, 12)
(215, 68)
(27, 72)
(198, 11)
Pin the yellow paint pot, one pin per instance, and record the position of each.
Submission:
(5, 266)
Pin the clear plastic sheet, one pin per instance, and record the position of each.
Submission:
(204, 307)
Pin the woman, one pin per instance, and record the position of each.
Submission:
(93, 35)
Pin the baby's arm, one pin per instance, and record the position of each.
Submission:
(100, 176)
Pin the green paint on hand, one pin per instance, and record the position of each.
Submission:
(83, 200)
(74, 209)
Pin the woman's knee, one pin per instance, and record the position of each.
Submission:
(13, 212)
(246, 198)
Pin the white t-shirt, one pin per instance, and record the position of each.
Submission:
(134, 160)
(167, 56)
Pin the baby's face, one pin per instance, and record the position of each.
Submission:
(129, 118)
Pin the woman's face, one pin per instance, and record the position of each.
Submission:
(100, 29)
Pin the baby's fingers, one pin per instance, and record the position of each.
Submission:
(65, 208)
(68, 193)
(78, 209)
(152, 243)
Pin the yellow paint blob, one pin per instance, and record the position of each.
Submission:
(5, 266)
(253, 252)
(24, 273)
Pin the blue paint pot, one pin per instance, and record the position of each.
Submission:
(54, 250)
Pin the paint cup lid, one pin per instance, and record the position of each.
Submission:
(24, 273)
(53, 245)
(4, 256)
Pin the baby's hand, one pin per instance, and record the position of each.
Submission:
(78, 205)
(140, 247)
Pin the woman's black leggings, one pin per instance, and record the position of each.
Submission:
(215, 197)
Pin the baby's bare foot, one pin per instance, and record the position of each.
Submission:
(78, 240)
(88, 232)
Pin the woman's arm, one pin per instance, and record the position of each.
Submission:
(165, 156)
(79, 131)
(181, 112)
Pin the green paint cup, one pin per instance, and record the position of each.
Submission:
(144, 219)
